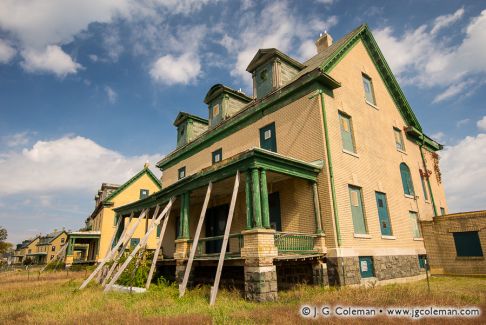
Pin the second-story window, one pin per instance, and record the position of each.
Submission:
(144, 193)
(182, 172)
(268, 139)
(368, 89)
(62, 240)
(347, 132)
(53, 248)
(400, 145)
(217, 155)
(406, 180)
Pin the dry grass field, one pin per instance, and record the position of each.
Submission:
(54, 299)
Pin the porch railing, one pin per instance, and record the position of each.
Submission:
(293, 242)
(235, 242)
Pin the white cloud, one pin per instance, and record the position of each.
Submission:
(464, 174)
(68, 163)
(7, 52)
(172, 70)
(481, 124)
(462, 122)
(419, 56)
(17, 139)
(452, 91)
(111, 94)
(447, 20)
(52, 60)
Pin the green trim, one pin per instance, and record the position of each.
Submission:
(264, 198)
(182, 116)
(331, 172)
(249, 206)
(256, 198)
(264, 55)
(307, 83)
(364, 34)
(219, 89)
(254, 158)
(421, 139)
(145, 170)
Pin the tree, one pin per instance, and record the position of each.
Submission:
(3, 234)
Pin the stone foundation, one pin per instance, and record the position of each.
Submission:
(343, 270)
(261, 283)
(319, 273)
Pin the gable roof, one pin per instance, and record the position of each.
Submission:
(144, 171)
(264, 55)
(218, 89)
(182, 116)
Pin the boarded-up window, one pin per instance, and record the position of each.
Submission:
(415, 226)
(399, 139)
(347, 132)
(357, 211)
(468, 244)
(368, 89)
(216, 110)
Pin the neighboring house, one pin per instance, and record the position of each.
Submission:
(91, 244)
(456, 243)
(20, 252)
(30, 252)
(49, 245)
(336, 173)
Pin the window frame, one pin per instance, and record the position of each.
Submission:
(342, 116)
(402, 141)
(183, 170)
(216, 152)
(372, 90)
(407, 183)
(466, 244)
(363, 213)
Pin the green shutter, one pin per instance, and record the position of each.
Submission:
(346, 132)
(406, 179)
(357, 210)
(268, 139)
(468, 244)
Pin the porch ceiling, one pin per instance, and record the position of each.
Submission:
(278, 166)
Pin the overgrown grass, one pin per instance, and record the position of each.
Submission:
(54, 298)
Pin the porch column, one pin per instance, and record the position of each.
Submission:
(249, 217)
(317, 208)
(264, 198)
(184, 218)
(257, 212)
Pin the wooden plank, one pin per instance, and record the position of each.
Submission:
(120, 254)
(140, 244)
(215, 287)
(182, 287)
(63, 249)
(128, 234)
(157, 250)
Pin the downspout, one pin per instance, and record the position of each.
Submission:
(427, 176)
(331, 172)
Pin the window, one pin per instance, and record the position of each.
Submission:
(62, 240)
(182, 172)
(347, 132)
(399, 139)
(53, 248)
(144, 193)
(468, 244)
(366, 268)
(421, 261)
(216, 110)
(415, 225)
(383, 215)
(159, 229)
(357, 210)
(424, 187)
(268, 138)
(182, 131)
(406, 179)
(368, 88)
(52, 256)
(134, 242)
(217, 155)
(442, 211)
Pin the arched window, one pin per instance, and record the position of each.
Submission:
(406, 179)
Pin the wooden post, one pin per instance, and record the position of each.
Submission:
(215, 287)
(157, 250)
(137, 248)
(108, 257)
(182, 287)
(257, 211)
(120, 254)
(317, 208)
(249, 218)
(264, 198)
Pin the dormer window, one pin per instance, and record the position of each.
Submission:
(216, 110)
(264, 74)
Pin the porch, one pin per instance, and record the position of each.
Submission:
(82, 247)
(276, 214)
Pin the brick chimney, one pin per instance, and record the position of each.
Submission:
(323, 42)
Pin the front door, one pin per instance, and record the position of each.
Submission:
(384, 218)
(215, 226)
(274, 209)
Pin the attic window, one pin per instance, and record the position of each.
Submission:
(264, 74)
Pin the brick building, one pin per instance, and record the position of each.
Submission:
(456, 243)
(335, 171)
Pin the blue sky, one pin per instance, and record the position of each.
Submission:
(89, 90)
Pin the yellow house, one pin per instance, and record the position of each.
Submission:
(335, 174)
(91, 244)
(30, 251)
(49, 245)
